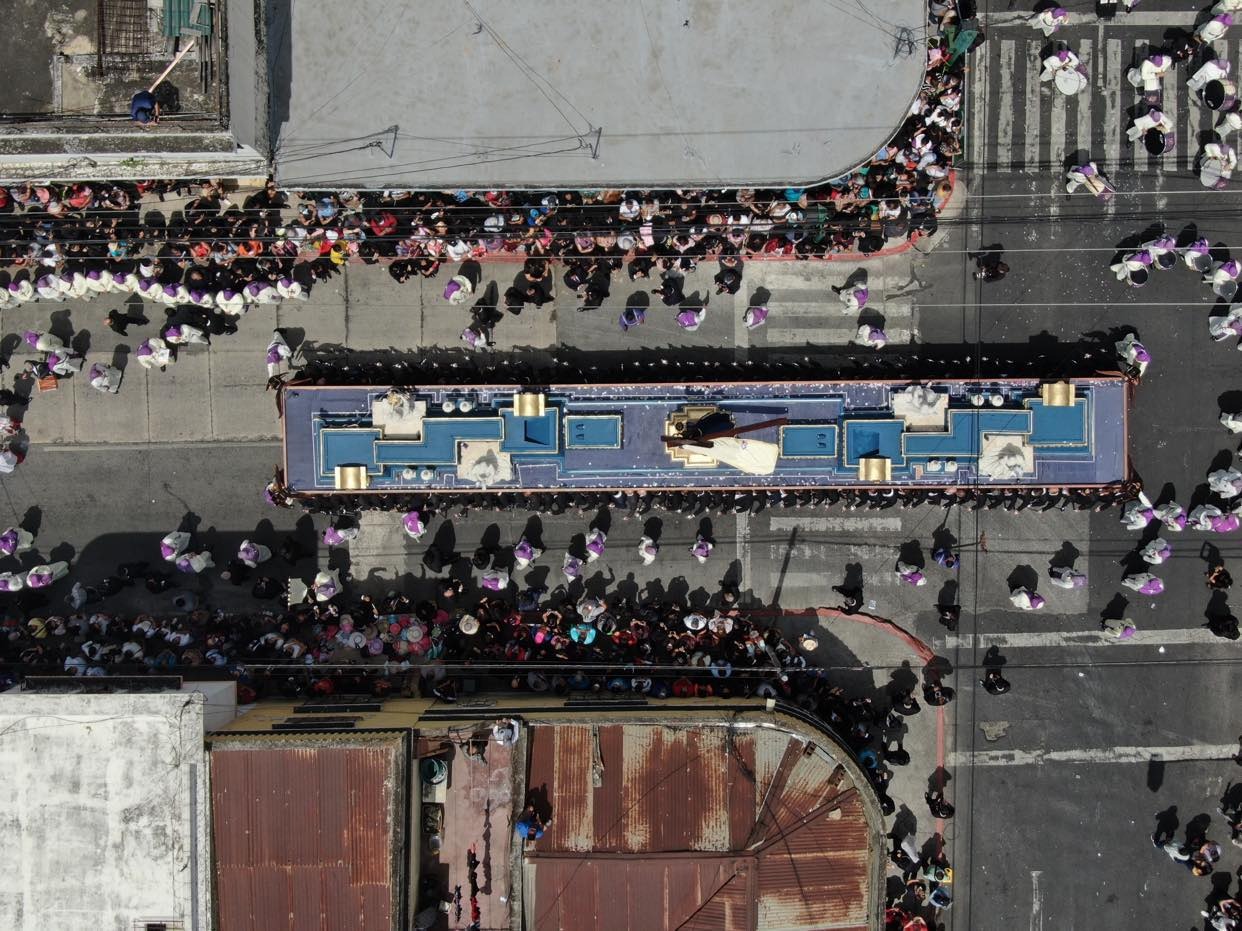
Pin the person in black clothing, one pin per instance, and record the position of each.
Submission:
(852, 597)
(671, 290)
(118, 321)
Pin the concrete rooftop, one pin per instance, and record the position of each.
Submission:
(567, 93)
(104, 813)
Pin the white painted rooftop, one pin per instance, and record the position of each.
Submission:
(103, 813)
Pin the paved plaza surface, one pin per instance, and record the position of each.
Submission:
(1056, 783)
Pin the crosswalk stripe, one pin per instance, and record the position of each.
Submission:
(1099, 114)
(1031, 115)
(1056, 130)
(980, 108)
(1083, 101)
(1004, 127)
(1112, 103)
(824, 335)
(838, 524)
(1169, 86)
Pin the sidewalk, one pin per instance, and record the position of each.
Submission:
(216, 394)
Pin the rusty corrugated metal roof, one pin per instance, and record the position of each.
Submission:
(643, 790)
(622, 893)
(305, 835)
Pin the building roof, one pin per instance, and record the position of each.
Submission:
(740, 827)
(566, 93)
(306, 830)
(105, 816)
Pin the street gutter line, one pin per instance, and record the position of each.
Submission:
(138, 447)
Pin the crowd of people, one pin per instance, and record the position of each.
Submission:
(696, 503)
(203, 249)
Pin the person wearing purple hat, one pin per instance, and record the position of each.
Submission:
(595, 541)
(853, 298)
(231, 302)
(45, 575)
(253, 553)
(632, 317)
(571, 567)
(1144, 583)
(1134, 354)
(525, 553)
(1214, 29)
(11, 582)
(1120, 628)
(153, 353)
(21, 290)
(1065, 577)
(63, 363)
(909, 574)
(43, 342)
(702, 548)
(495, 580)
(872, 336)
(15, 540)
(173, 545)
(1026, 600)
(182, 334)
(278, 354)
(194, 562)
(339, 536)
(1050, 20)
(754, 317)
(105, 378)
(412, 524)
(691, 318)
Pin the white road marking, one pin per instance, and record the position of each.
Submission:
(1092, 755)
(979, 110)
(818, 336)
(1056, 133)
(1112, 106)
(1004, 126)
(1037, 902)
(1075, 638)
(846, 524)
(1168, 104)
(1082, 139)
(1031, 112)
